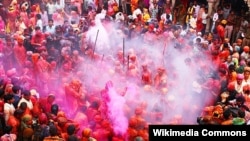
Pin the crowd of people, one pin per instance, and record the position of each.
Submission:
(105, 70)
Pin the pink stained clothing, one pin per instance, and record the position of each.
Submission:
(32, 22)
(78, 5)
(149, 38)
(8, 137)
(25, 17)
(1, 45)
(58, 19)
(75, 96)
(2, 26)
(20, 54)
(12, 15)
(201, 10)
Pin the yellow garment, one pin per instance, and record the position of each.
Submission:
(189, 14)
(146, 17)
(7, 28)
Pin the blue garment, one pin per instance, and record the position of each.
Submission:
(16, 100)
(161, 3)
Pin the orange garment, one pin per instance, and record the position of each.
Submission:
(15, 123)
(161, 25)
(20, 54)
(247, 97)
(32, 22)
(134, 5)
(27, 112)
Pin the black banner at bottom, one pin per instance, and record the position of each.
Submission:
(161, 132)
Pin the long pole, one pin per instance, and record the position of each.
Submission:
(164, 48)
(95, 44)
(102, 58)
(128, 62)
(123, 50)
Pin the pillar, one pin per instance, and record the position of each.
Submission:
(210, 13)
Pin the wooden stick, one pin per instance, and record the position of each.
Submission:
(164, 48)
(95, 43)
(128, 62)
(123, 47)
(102, 58)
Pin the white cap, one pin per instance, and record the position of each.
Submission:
(34, 93)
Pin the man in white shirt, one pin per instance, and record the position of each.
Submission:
(50, 28)
(167, 16)
(204, 18)
(215, 18)
(9, 108)
(39, 21)
(51, 8)
(196, 7)
(26, 98)
(58, 5)
(243, 26)
(198, 35)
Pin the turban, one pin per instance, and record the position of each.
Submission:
(28, 132)
(224, 22)
(240, 76)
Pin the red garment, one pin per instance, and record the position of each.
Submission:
(37, 39)
(101, 134)
(91, 112)
(132, 133)
(1, 106)
(45, 105)
(199, 25)
(221, 32)
(185, 2)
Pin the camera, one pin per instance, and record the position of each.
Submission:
(202, 121)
